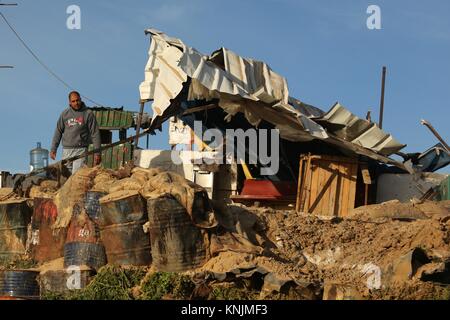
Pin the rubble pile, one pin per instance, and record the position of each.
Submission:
(386, 251)
(380, 253)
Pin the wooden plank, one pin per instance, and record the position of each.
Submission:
(333, 189)
(345, 189)
(352, 191)
(320, 184)
(315, 178)
(327, 208)
(301, 195)
(366, 174)
(339, 185)
(299, 185)
(315, 170)
(201, 108)
(329, 177)
(325, 197)
(335, 158)
(307, 187)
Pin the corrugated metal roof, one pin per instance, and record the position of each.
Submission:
(345, 125)
(305, 109)
(251, 87)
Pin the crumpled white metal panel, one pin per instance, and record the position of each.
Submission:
(163, 78)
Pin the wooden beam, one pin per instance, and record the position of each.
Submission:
(198, 109)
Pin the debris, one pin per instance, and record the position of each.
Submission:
(406, 266)
(338, 291)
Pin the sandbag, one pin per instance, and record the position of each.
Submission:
(125, 184)
(47, 190)
(71, 193)
(191, 196)
(7, 194)
(103, 181)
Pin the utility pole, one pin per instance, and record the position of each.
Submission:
(383, 83)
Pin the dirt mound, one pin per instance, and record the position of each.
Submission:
(361, 252)
(402, 211)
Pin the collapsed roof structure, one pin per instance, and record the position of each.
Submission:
(178, 77)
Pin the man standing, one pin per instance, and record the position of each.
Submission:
(77, 127)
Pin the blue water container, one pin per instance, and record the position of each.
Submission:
(38, 159)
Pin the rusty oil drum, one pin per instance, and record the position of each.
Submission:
(92, 204)
(82, 228)
(15, 216)
(19, 284)
(177, 244)
(46, 243)
(121, 229)
(63, 281)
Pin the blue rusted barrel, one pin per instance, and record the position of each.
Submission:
(14, 219)
(19, 284)
(92, 204)
(177, 244)
(84, 254)
(121, 221)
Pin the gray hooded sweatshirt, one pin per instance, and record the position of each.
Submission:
(77, 128)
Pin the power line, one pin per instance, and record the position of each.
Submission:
(41, 62)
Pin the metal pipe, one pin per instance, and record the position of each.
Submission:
(6, 67)
(383, 84)
(139, 121)
(436, 134)
(87, 153)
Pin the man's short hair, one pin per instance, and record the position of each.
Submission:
(74, 92)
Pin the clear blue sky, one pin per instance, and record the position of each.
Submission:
(323, 48)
